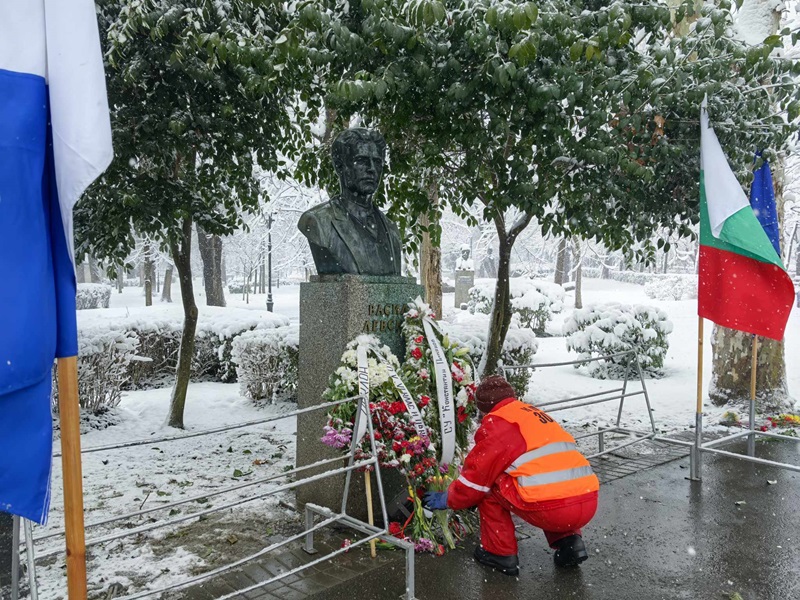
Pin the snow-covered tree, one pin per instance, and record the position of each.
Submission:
(199, 95)
(581, 116)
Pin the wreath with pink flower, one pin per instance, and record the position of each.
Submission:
(397, 441)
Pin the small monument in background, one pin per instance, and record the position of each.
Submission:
(358, 290)
(464, 276)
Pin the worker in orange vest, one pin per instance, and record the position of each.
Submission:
(524, 463)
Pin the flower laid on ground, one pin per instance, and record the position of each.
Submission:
(397, 442)
(785, 420)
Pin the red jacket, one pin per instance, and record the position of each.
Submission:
(498, 443)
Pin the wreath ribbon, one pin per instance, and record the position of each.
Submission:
(444, 391)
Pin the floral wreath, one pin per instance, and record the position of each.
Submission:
(397, 442)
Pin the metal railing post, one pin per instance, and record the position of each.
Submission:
(646, 395)
(34, 591)
(695, 455)
(624, 389)
(309, 545)
(410, 583)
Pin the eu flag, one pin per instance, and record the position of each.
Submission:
(762, 199)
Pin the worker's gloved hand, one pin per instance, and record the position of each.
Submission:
(435, 500)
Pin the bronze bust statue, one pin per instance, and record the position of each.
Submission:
(349, 234)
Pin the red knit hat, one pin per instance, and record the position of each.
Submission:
(492, 390)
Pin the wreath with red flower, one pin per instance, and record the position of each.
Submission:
(397, 442)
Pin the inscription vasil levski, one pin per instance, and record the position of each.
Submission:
(383, 317)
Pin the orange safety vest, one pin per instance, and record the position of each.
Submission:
(552, 467)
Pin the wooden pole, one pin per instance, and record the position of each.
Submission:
(373, 552)
(73, 479)
(751, 439)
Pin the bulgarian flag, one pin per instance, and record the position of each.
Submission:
(743, 284)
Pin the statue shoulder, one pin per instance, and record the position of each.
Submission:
(316, 220)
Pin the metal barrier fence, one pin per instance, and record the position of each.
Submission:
(620, 394)
(751, 433)
(329, 517)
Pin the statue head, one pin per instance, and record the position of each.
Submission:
(465, 251)
(358, 155)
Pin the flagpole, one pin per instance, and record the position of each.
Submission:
(751, 439)
(73, 479)
(694, 466)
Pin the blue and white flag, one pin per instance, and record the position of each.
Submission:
(55, 139)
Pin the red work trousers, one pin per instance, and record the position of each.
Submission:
(557, 518)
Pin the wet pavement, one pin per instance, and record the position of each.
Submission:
(656, 536)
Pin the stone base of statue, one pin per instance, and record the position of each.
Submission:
(334, 310)
(465, 281)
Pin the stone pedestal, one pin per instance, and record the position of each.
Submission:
(465, 281)
(335, 309)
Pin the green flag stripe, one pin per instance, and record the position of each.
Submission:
(741, 233)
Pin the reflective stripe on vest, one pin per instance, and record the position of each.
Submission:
(552, 466)
(554, 477)
(553, 448)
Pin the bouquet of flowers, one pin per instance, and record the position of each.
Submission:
(397, 442)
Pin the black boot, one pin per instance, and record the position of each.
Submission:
(508, 565)
(571, 551)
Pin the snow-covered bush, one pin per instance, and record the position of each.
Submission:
(103, 360)
(158, 330)
(238, 286)
(93, 295)
(632, 277)
(472, 330)
(604, 329)
(533, 300)
(672, 287)
(536, 305)
(266, 362)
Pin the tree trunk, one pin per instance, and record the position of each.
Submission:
(166, 290)
(500, 319)
(730, 379)
(561, 262)
(578, 276)
(148, 275)
(430, 269)
(182, 256)
(211, 254)
(120, 277)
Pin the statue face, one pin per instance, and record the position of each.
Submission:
(465, 254)
(361, 173)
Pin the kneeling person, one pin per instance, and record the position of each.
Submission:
(524, 463)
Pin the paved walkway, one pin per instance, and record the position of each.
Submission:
(656, 536)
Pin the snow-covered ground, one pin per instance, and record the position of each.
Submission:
(118, 482)
(131, 479)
